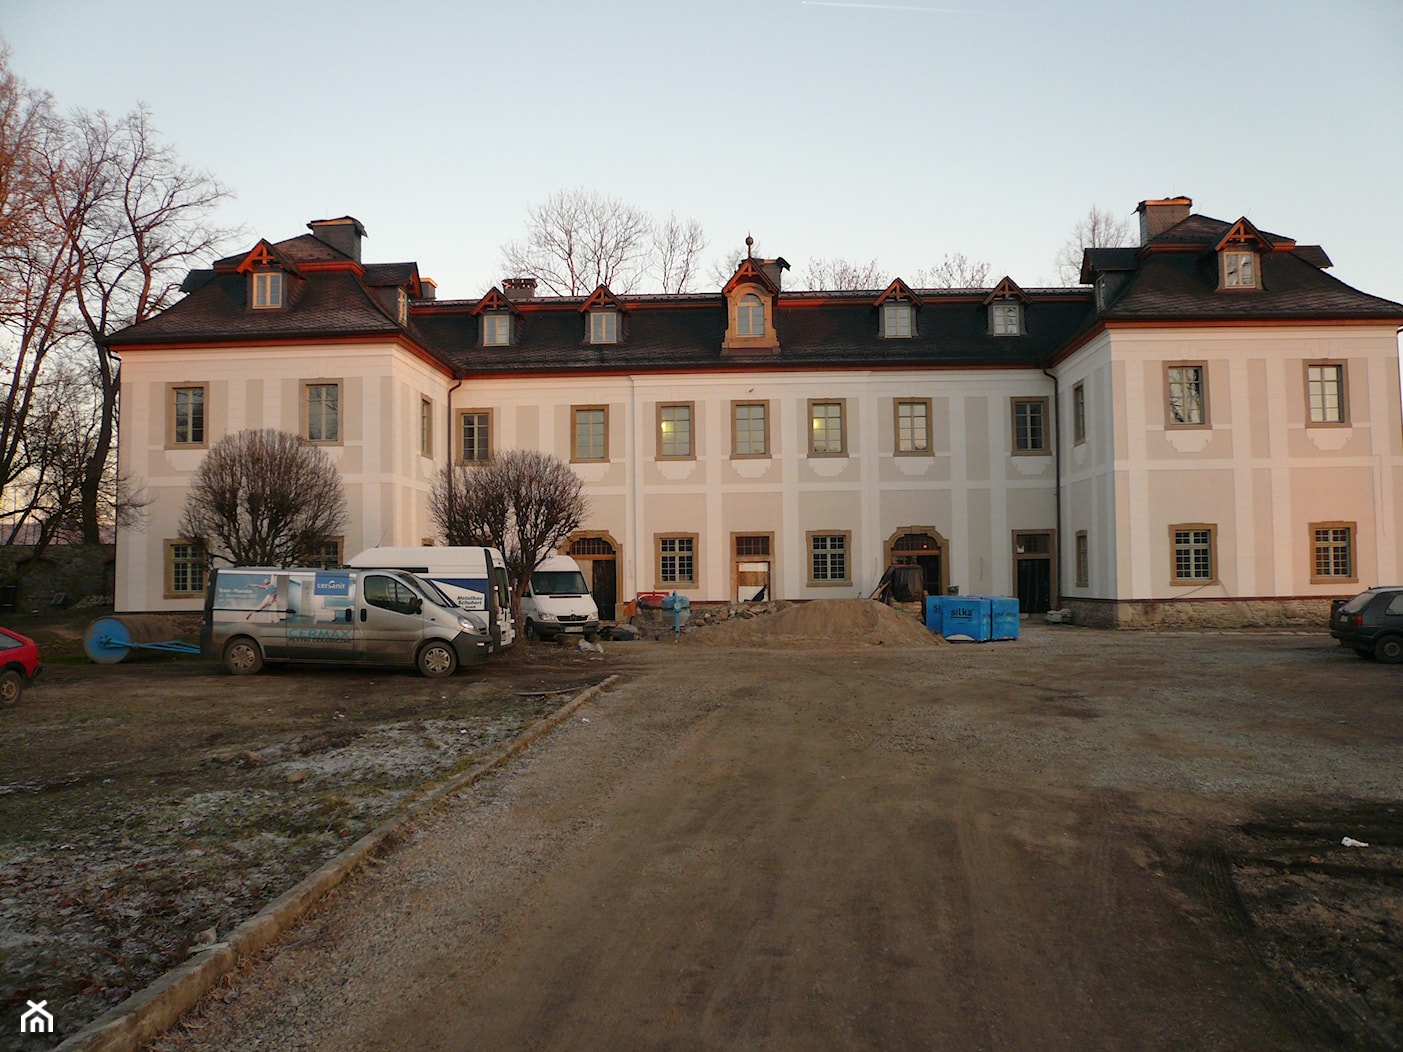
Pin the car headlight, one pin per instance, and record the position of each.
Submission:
(472, 624)
(547, 617)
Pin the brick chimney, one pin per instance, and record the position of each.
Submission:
(344, 234)
(1158, 216)
(519, 288)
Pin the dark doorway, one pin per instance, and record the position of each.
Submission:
(604, 588)
(1034, 586)
(598, 561)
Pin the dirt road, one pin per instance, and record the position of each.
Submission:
(1023, 846)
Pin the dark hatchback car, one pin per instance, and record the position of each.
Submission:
(1372, 623)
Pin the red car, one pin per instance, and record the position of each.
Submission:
(19, 664)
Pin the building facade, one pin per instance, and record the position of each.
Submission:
(1207, 431)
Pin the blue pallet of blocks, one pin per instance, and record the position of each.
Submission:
(973, 618)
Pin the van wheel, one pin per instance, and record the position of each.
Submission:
(530, 631)
(437, 660)
(1389, 650)
(242, 656)
(11, 687)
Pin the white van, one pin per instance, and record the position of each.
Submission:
(557, 601)
(474, 578)
(372, 617)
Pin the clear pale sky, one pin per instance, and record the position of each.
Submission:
(897, 131)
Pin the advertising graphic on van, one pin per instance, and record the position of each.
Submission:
(322, 597)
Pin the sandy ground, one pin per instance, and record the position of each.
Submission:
(1081, 840)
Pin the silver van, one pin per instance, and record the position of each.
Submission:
(369, 617)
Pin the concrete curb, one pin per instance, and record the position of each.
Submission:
(148, 1013)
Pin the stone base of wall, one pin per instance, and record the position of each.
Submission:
(69, 573)
(1288, 612)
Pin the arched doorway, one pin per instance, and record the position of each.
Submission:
(596, 554)
(921, 546)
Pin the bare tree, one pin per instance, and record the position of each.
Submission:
(1096, 229)
(524, 502)
(577, 240)
(137, 217)
(676, 253)
(843, 275)
(264, 498)
(956, 271)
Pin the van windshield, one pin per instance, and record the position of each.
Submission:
(432, 592)
(558, 582)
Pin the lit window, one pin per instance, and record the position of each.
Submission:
(1030, 425)
(1332, 550)
(1240, 270)
(267, 290)
(677, 561)
(675, 430)
(750, 316)
(603, 326)
(913, 427)
(896, 321)
(750, 430)
(1187, 403)
(185, 568)
(496, 330)
(477, 436)
(323, 412)
(188, 416)
(1006, 319)
(826, 428)
(1325, 386)
(591, 435)
(828, 558)
(1193, 554)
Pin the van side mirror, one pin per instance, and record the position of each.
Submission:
(416, 605)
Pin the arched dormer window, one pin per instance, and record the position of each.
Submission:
(750, 316)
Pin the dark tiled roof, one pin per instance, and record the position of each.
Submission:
(814, 330)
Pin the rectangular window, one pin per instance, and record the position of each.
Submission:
(323, 413)
(896, 321)
(267, 290)
(1083, 560)
(475, 429)
(1332, 552)
(1030, 425)
(1006, 319)
(828, 558)
(826, 429)
(603, 326)
(750, 429)
(187, 416)
(1079, 414)
(677, 561)
(1325, 392)
(1194, 556)
(185, 569)
(913, 427)
(496, 330)
(1188, 395)
(327, 554)
(1240, 270)
(426, 427)
(675, 431)
(589, 439)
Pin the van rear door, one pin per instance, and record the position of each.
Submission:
(389, 620)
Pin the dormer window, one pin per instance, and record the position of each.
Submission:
(896, 321)
(267, 290)
(1239, 270)
(603, 326)
(403, 307)
(1006, 319)
(496, 329)
(750, 316)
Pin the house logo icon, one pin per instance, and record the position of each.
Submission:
(36, 1020)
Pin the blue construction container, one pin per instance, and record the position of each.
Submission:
(1004, 617)
(966, 617)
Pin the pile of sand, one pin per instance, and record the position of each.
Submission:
(855, 622)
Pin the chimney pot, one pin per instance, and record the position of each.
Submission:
(344, 234)
(519, 288)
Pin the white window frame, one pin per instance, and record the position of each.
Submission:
(1239, 269)
(1042, 448)
(497, 329)
(898, 320)
(1006, 318)
(747, 430)
(678, 441)
(578, 454)
(1323, 410)
(603, 326)
(1193, 544)
(268, 289)
(320, 414)
(822, 552)
(1179, 391)
(482, 443)
(828, 445)
(912, 435)
(676, 551)
(186, 564)
(750, 315)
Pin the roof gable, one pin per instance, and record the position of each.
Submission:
(750, 272)
(1243, 233)
(898, 290)
(1007, 289)
(600, 299)
(265, 254)
(494, 300)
